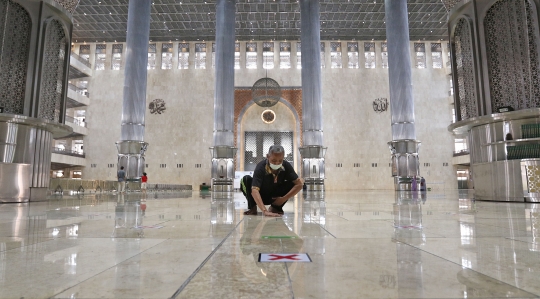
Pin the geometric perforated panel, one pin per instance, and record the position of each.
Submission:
(449, 4)
(257, 145)
(465, 93)
(512, 56)
(52, 74)
(15, 28)
(69, 5)
(533, 179)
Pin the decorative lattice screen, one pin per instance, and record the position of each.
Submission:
(256, 146)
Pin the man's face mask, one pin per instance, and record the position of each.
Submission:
(275, 166)
(275, 161)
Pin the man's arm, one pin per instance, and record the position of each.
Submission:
(258, 200)
(298, 184)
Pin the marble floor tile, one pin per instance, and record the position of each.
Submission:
(45, 269)
(155, 273)
(188, 245)
(375, 268)
(514, 262)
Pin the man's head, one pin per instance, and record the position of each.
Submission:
(144, 173)
(121, 167)
(275, 156)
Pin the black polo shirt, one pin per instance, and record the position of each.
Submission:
(269, 184)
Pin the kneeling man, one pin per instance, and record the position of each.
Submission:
(274, 182)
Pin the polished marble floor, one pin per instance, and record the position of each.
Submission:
(363, 244)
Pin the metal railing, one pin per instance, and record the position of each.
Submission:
(61, 151)
(75, 121)
(78, 90)
(462, 152)
(82, 60)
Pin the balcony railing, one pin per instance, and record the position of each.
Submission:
(78, 90)
(75, 121)
(82, 60)
(61, 151)
(463, 152)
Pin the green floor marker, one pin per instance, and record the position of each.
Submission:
(278, 237)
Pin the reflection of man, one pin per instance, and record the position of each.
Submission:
(274, 182)
(121, 175)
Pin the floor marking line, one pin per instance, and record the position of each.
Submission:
(288, 274)
(188, 280)
(327, 231)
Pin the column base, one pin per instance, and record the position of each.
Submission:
(314, 184)
(222, 185)
(15, 182)
(131, 156)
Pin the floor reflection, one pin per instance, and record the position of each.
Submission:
(128, 221)
(362, 244)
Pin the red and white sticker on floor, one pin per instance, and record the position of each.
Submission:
(284, 257)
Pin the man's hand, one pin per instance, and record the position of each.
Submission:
(270, 214)
(278, 201)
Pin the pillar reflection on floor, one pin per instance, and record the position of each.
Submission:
(534, 214)
(408, 228)
(128, 219)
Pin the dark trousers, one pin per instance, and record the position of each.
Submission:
(281, 190)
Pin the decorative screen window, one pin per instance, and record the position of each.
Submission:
(298, 55)
(183, 56)
(335, 55)
(100, 57)
(257, 144)
(151, 57)
(323, 65)
(352, 52)
(284, 55)
(251, 55)
(84, 52)
(420, 54)
(116, 60)
(384, 55)
(436, 55)
(200, 56)
(268, 55)
(237, 56)
(166, 56)
(213, 55)
(369, 53)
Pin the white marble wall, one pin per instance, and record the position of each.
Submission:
(353, 132)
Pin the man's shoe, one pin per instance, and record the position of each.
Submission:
(276, 210)
(252, 211)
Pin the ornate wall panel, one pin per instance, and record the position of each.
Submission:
(533, 179)
(69, 5)
(52, 73)
(512, 55)
(449, 4)
(15, 28)
(533, 50)
(465, 93)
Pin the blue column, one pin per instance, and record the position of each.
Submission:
(134, 104)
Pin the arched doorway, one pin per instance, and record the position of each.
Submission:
(262, 127)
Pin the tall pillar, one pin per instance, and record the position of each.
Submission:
(312, 151)
(404, 146)
(223, 149)
(131, 147)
